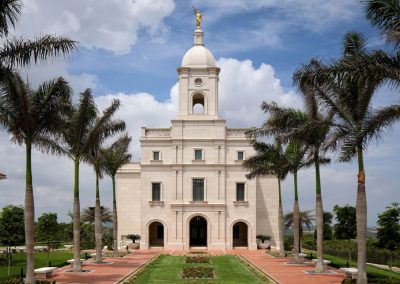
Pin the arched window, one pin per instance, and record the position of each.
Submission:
(198, 104)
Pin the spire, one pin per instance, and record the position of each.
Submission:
(198, 37)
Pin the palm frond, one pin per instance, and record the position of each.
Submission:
(380, 120)
(49, 145)
(354, 44)
(10, 11)
(21, 52)
(116, 155)
(384, 15)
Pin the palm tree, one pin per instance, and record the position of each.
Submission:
(269, 159)
(21, 52)
(113, 158)
(312, 128)
(32, 117)
(295, 153)
(84, 129)
(355, 125)
(88, 215)
(306, 221)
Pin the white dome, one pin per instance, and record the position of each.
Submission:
(198, 56)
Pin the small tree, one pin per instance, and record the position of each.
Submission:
(388, 231)
(47, 231)
(346, 224)
(12, 228)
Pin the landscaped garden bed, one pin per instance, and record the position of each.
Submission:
(198, 272)
(197, 259)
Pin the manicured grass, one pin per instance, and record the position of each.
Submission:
(19, 261)
(372, 271)
(168, 269)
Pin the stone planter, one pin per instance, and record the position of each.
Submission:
(134, 245)
(264, 245)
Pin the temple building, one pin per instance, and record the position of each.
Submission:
(189, 188)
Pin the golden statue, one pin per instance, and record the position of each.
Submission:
(198, 17)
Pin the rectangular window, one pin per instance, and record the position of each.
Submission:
(198, 154)
(240, 191)
(156, 156)
(198, 189)
(240, 155)
(156, 191)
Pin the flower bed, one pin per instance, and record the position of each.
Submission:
(196, 253)
(197, 259)
(198, 272)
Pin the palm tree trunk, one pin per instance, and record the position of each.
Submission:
(296, 220)
(76, 213)
(280, 222)
(361, 214)
(319, 216)
(29, 219)
(97, 222)
(115, 218)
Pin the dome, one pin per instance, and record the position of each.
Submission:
(198, 56)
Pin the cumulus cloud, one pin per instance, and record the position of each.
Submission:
(112, 25)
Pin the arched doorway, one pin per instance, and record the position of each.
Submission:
(156, 234)
(239, 235)
(198, 232)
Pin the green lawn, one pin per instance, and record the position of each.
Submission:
(168, 269)
(372, 271)
(18, 262)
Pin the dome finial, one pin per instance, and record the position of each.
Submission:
(199, 18)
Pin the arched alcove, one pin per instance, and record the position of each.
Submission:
(156, 234)
(198, 105)
(240, 235)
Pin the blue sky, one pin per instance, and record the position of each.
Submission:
(130, 50)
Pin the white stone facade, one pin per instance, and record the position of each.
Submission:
(189, 188)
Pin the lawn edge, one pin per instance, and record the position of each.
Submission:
(137, 270)
(255, 267)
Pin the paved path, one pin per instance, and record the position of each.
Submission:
(284, 273)
(117, 269)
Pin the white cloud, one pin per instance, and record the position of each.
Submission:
(112, 25)
(243, 87)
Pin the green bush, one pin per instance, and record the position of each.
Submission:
(288, 243)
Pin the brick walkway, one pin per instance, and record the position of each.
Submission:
(278, 269)
(116, 270)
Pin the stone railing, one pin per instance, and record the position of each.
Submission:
(156, 132)
(236, 132)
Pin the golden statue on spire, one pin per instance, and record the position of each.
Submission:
(198, 17)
